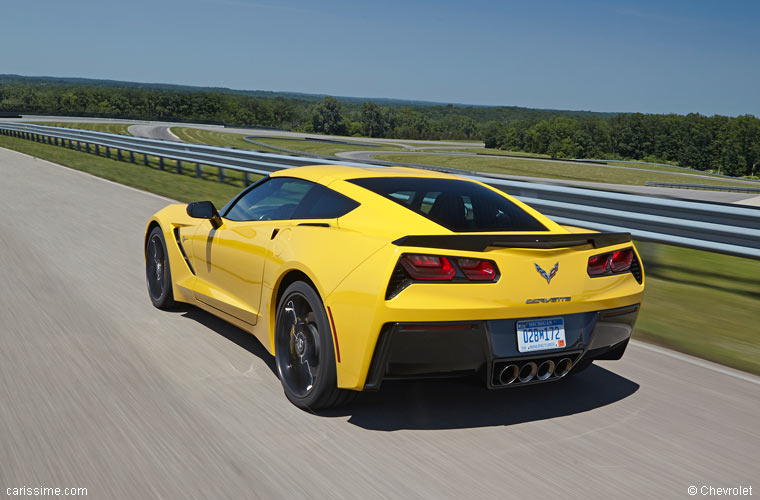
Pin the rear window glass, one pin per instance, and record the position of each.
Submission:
(459, 206)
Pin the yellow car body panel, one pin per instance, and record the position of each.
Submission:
(240, 266)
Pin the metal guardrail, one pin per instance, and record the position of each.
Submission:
(710, 187)
(727, 229)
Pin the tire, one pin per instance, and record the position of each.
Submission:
(157, 272)
(304, 351)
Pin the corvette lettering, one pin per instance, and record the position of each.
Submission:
(544, 300)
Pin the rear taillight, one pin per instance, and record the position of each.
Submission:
(616, 262)
(620, 261)
(428, 267)
(477, 270)
(597, 265)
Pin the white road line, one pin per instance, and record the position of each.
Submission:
(747, 377)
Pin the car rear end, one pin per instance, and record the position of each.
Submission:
(520, 307)
(500, 314)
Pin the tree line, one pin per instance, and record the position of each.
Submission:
(729, 145)
(300, 112)
(718, 143)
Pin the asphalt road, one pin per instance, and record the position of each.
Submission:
(100, 390)
(153, 132)
(161, 126)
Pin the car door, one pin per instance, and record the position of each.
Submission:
(229, 260)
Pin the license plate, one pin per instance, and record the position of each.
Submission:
(540, 334)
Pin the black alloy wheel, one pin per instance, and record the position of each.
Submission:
(304, 350)
(157, 272)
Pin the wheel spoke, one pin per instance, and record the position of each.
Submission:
(298, 345)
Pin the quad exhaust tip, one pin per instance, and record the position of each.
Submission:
(539, 370)
(509, 374)
(545, 370)
(527, 372)
(563, 367)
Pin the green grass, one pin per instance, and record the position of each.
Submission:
(183, 187)
(323, 148)
(634, 165)
(229, 139)
(703, 304)
(552, 169)
(113, 128)
(214, 138)
(500, 152)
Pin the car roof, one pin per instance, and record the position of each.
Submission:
(326, 174)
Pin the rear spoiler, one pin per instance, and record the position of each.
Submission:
(480, 242)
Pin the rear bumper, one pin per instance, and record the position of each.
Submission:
(432, 349)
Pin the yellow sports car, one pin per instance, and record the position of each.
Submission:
(350, 276)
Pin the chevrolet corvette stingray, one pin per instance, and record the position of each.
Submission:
(350, 276)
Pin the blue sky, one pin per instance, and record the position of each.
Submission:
(646, 56)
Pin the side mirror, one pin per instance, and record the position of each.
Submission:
(204, 210)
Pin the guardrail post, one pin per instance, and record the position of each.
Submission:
(131, 156)
(119, 155)
(87, 146)
(246, 178)
(146, 159)
(160, 162)
(179, 166)
(79, 145)
(198, 170)
(221, 174)
(97, 149)
(108, 151)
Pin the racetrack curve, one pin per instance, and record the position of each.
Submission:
(150, 131)
(100, 390)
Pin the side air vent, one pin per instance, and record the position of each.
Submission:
(182, 250)
(399, 280)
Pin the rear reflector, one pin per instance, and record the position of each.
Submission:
(429, 327)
